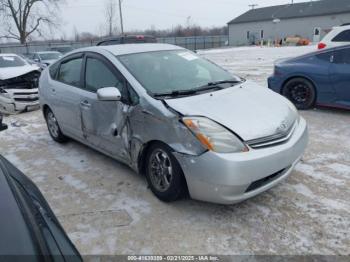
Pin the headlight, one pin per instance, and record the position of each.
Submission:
(4, 93)
(214, 136)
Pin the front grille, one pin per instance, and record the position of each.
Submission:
(25, 94)
(31, 99)
(264, 181)
(273, 140)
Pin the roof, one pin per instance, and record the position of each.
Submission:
(133, 48)
(298, 10)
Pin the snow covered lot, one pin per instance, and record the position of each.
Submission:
(107, 209)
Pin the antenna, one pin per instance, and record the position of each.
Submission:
(253, 6)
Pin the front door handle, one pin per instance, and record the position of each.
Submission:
(85, 103)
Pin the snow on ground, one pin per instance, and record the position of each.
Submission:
(253, 63)
(107, 209)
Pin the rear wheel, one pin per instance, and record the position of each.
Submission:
(164, 174)
(301, 92)
(54, 128)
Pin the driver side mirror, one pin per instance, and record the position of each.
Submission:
(109, 94)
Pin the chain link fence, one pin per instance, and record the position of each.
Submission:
(192, 43)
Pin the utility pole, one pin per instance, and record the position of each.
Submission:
(121, 17)
(253, 6)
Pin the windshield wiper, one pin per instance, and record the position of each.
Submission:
(176, 93)
(187, 92)
(224, 82)
(208, 86)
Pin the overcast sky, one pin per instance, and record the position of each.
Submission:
(88, 15)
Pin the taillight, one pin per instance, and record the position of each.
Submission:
(322, 45)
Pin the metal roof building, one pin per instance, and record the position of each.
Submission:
(310, 20)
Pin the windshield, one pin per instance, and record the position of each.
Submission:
(50, 56)
(11, 61)
(170, 71)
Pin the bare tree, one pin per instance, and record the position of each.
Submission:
(76, 34)
(111, 16)
(22, 18)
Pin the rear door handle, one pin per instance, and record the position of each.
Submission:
(85, 104)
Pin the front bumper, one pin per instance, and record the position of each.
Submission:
(275, 83)
(19, 100)
(232, 178)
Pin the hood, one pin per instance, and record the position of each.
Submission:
(248, 110)
(12, 72)
(283, 60)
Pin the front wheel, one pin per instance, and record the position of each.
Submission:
(164, 174)
(54, 128)
(300, 92)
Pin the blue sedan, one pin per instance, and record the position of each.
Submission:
(320, 78)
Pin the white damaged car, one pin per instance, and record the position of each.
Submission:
(18, 84)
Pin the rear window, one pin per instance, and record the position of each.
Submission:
(11, 61)
(342, 37)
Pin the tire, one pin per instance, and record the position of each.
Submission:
(164, 174)
(54, 128)
(301, 92)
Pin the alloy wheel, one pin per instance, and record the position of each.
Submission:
(52, 124)
(160, 170)
(299, 93)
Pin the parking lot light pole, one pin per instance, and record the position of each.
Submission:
(276, 21)
(121, 17)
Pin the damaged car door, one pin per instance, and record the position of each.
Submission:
(104, 121)
(66, 92)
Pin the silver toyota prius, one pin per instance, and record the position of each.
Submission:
(185, 123)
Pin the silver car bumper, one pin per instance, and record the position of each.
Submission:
(232, 178)
(19, 100)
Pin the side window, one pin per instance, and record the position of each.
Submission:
(70, 72)
(133, 96)
(342, 56)
(99, 75)
(53, 70)
(342, 37)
